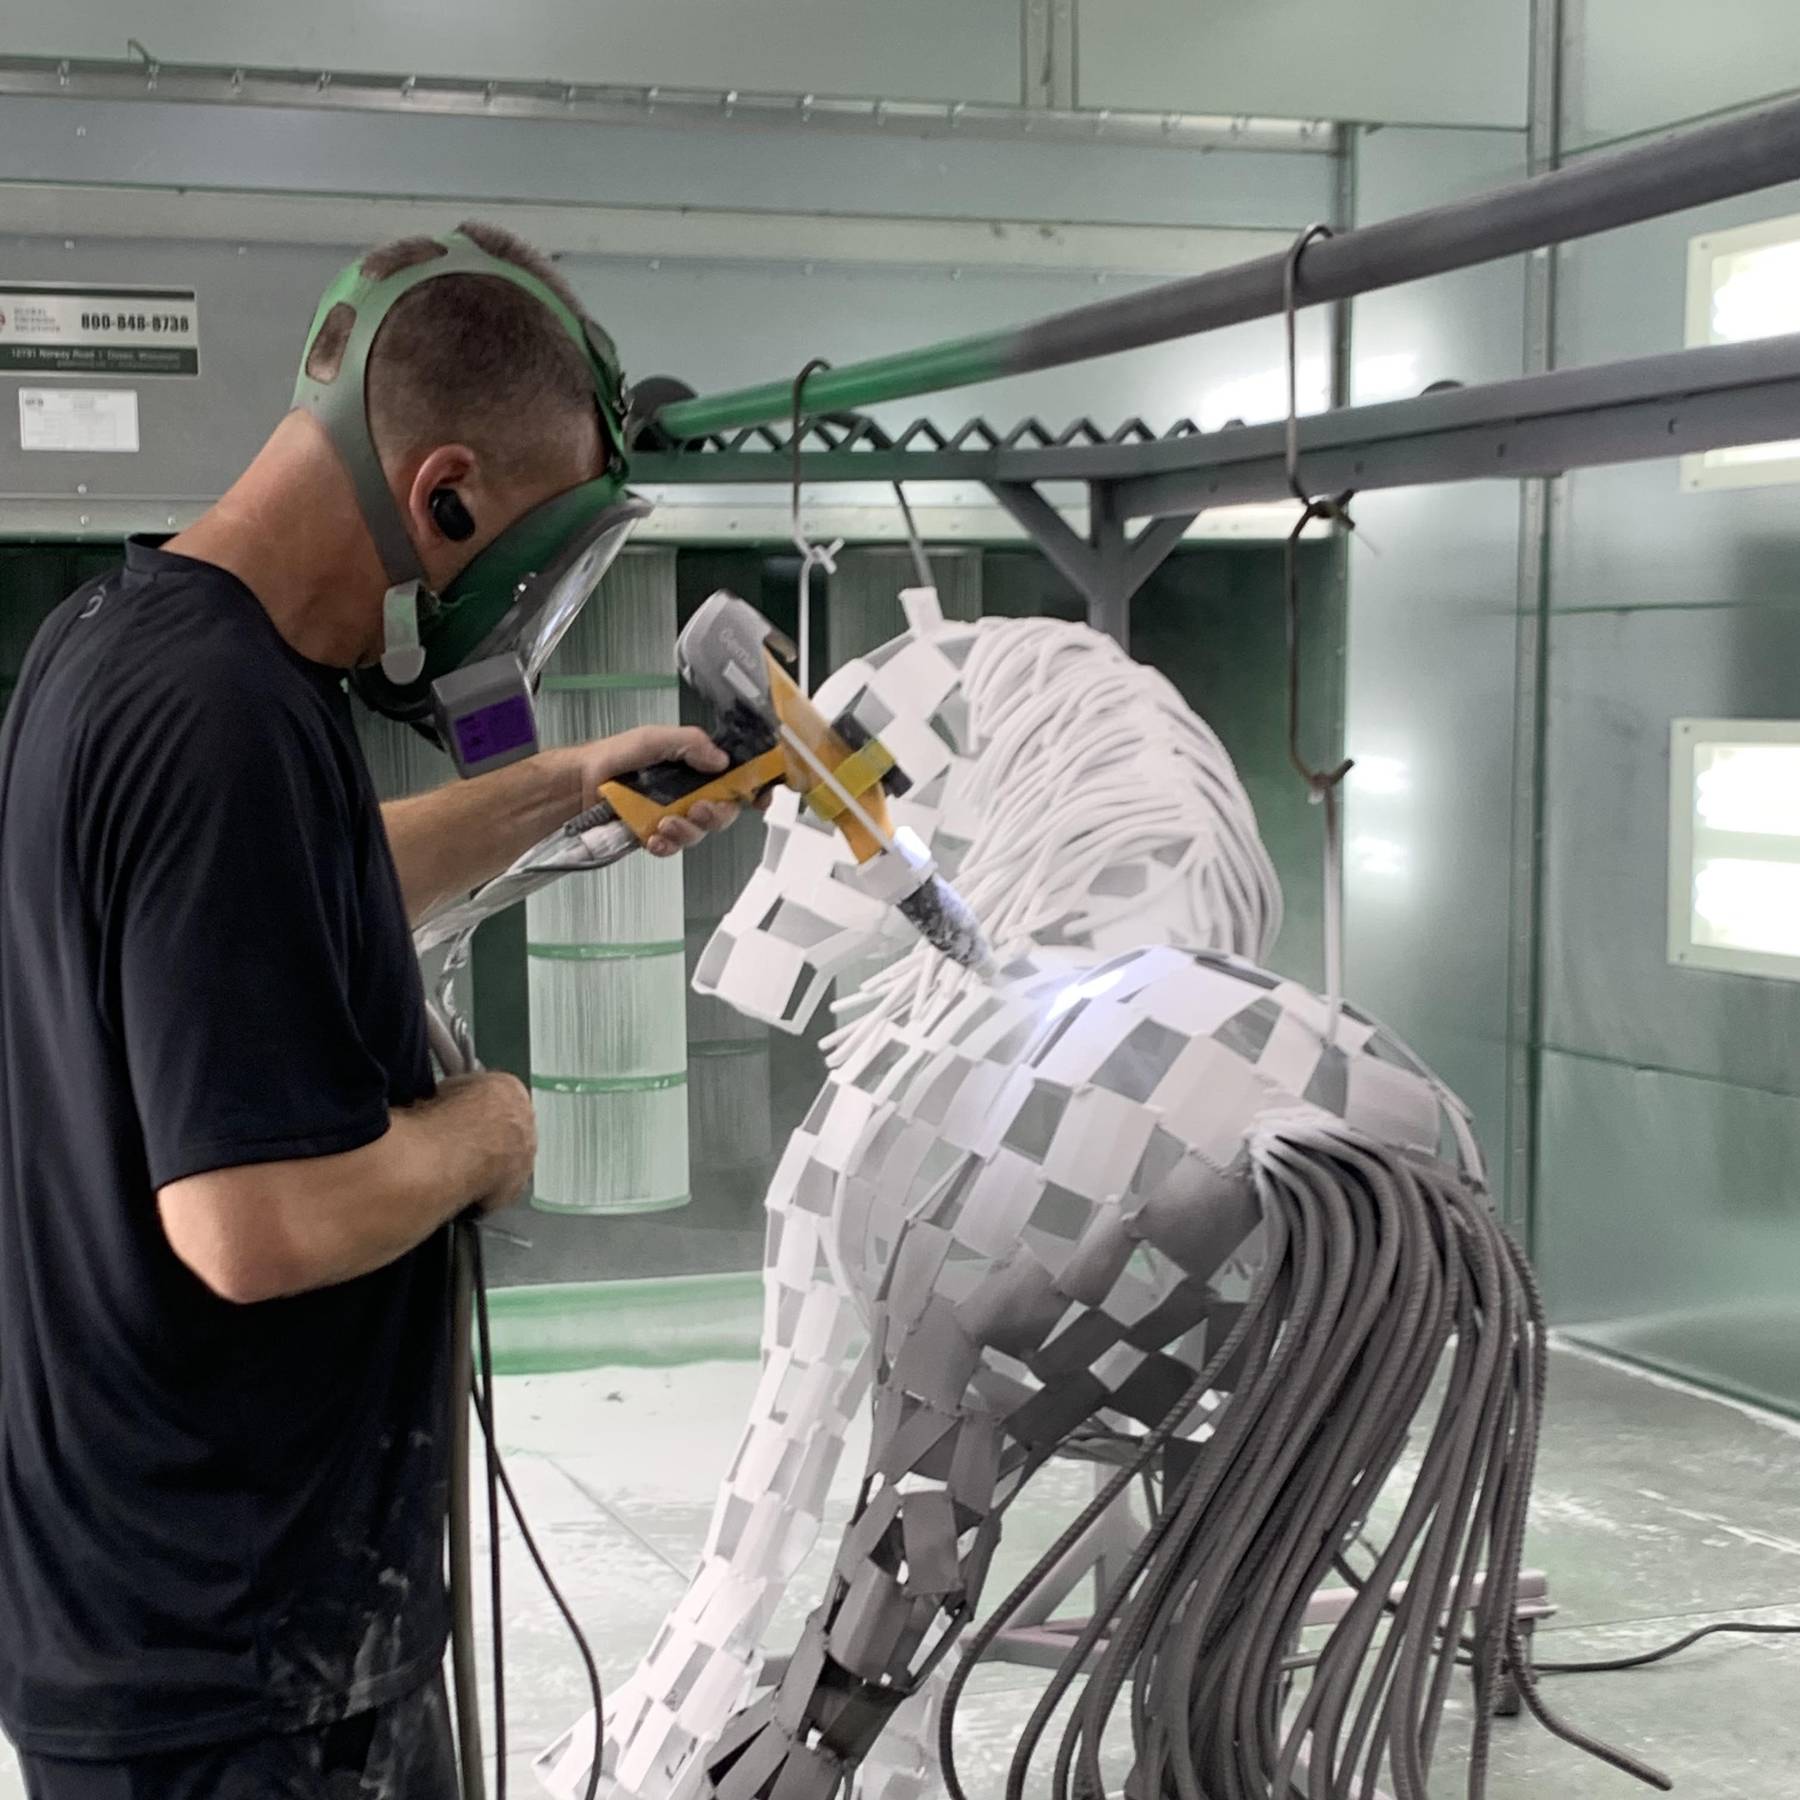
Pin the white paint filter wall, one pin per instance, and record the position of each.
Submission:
(605, 953)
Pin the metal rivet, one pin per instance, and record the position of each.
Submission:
(68, 243)
(81, 131)
(87, 519)
(81, 487)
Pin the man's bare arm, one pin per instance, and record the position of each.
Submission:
(451, 840)
(265, 1230)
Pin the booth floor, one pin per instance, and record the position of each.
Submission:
(1658, 1509)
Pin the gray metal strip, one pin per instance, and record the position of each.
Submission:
(1700, 399)
(689, 108)
(1630, 411)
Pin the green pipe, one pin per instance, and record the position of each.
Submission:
(1670, 174)
(959, 363)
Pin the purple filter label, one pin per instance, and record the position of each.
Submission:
(494, 730)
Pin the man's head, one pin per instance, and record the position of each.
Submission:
(480, 402)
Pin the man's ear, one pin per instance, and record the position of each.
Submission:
(441, 510)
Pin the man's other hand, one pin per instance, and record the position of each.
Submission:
(608, 759)
(504, 1124)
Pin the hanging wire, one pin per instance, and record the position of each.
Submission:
(812, 556)
(921, 562)
(1322, 784)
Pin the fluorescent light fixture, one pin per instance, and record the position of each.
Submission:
(1744, 284)
(1734, 846)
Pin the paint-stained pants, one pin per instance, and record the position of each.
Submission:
(397, 1752)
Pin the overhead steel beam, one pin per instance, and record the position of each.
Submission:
(1653, 406)
(1599, 193)
(588, 103)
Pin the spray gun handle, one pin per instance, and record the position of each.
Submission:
(665, 790)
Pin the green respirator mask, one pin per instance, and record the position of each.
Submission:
(462, 667)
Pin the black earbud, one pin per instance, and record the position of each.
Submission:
(449, 514)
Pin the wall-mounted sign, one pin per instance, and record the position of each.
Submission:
(49, 329)
(78, 419)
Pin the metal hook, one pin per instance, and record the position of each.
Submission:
(812, 556)
(1312, 507)
(1322, 784)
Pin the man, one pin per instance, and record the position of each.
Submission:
(224, 1173)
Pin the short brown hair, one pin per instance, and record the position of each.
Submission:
(473, 359)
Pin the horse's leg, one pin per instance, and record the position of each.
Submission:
(704, 1660)
(989, 1357)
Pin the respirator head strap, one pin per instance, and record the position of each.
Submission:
(341, 402)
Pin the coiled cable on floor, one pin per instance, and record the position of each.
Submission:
(1377, 1266)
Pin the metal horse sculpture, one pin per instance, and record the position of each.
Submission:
(1137, 1192)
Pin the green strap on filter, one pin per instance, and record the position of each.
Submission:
(608, 1084)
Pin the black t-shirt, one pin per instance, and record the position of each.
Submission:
(215, 1520)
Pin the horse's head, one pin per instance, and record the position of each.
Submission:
(1069, 793)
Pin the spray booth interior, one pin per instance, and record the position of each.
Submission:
(1557, 634)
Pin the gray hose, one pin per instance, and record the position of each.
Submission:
(464, 1678)
(1376, 1266)
(453, 1058)
(593, 840)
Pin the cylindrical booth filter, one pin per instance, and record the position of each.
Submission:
(728, 1108)
(728, 1054)
(401, 761)
(865, 594)
(606, 963)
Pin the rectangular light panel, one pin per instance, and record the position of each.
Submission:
(1734, 846)
(1744, 284)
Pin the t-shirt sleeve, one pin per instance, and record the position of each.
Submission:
(230, 903)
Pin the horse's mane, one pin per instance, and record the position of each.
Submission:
(1102, 811)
